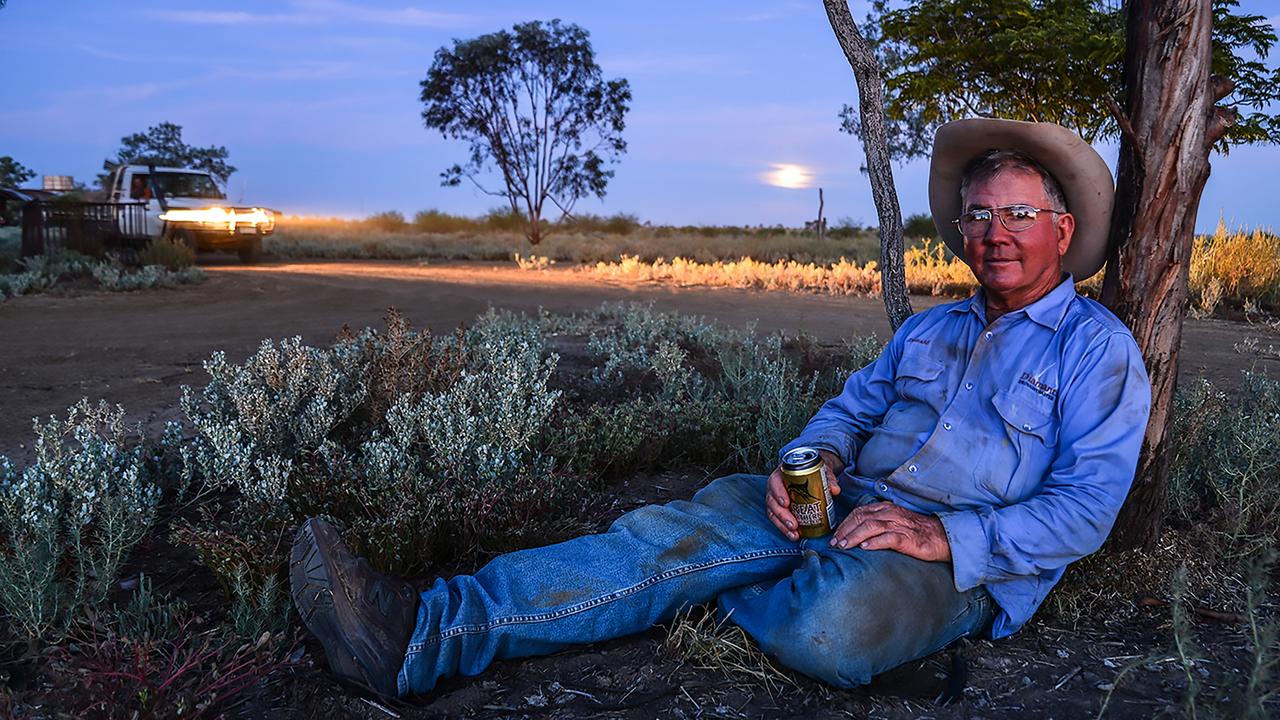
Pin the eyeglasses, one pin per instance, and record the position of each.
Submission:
(1014, 218)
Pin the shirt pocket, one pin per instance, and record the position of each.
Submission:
(917, 379)
(1031, 428)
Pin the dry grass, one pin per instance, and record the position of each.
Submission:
(333, 238)
(1238, 267)
(702, 642)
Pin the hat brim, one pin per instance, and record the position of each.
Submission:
(1083, 174)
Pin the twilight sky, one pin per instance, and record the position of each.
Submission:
(317, 100)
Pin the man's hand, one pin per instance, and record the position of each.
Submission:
(777, 502)
(885, 526)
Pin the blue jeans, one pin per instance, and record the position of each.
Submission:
(839, 616)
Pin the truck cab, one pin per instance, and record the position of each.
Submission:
(188, 206)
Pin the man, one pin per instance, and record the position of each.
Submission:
(991, 444)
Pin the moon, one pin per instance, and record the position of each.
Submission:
(789, 175)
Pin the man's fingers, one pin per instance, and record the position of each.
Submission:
(885, 541)
(859, 532)
(777, 489)
(782, 526)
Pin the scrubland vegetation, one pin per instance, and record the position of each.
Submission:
(1231, 270)
(160, 264)
(436, 452)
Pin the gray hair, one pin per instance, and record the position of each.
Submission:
(993, 162)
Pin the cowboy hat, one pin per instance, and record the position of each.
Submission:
(1082, 173)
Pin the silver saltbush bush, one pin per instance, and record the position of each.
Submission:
(253, 420)
(68, 520)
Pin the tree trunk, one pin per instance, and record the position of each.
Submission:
(822, 224)
(1169, 125)
(875, 142)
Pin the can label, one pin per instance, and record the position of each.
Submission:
(809, 488)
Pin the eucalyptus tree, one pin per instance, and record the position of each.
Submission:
(163, 145)
(535, 109)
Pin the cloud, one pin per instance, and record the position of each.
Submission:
(315, 12)
(225, 17)
(411, 16)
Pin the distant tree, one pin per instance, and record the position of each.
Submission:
(1057, 61)
(162, 145)
(12, 172)
(533, 106)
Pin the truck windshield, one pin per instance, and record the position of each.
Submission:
(192, 185)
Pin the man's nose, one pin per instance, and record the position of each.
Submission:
(997, 233)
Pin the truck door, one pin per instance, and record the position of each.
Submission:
(142, 191)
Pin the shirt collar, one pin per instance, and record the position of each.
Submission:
(1047, 311)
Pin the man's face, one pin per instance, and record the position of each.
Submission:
(1024, 265)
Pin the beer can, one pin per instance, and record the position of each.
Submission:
(809, 488)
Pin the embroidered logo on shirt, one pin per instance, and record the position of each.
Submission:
(919, 341)
(1030, 381)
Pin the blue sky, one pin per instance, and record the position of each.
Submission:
(317, 101)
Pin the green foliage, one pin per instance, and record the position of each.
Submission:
(69, 519)
(919, 226)
(163, 145)
(13, 173)
(1225, 459)
(167, 254)
(533, 106)
(1045, 60)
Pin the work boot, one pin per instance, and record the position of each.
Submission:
(362, 617)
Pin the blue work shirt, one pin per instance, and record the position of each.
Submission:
(1022, 436)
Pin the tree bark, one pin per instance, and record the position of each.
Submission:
(866, 73)
(1169, 126)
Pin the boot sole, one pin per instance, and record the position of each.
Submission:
(312, 587)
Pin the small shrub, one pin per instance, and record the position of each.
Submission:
(152, 659)
(1226, 454)
(391, 221)
(919, 227)
(435, 221)
(167, 254)
(68, 520)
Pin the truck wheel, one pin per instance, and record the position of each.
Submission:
(251, 250)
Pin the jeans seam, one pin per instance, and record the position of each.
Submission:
(596, 601)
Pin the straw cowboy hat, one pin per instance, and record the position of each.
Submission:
(1083, 174)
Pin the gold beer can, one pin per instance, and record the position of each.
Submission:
(809, 488)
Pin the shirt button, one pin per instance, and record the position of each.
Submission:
(987, 336)
(968, 386)
(883, 487)
(911, 468)
(946, 426)
(1025, 426)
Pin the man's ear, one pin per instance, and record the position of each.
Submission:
(1066, 228)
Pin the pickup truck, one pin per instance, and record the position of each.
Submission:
(187, 206)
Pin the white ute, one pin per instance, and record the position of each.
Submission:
(188, 207)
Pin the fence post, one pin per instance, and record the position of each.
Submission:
(32, 230)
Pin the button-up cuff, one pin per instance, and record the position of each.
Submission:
(969, 547)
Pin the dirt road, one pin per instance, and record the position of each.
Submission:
(136, 349)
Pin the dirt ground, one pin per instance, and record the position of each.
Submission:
(136, 349)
